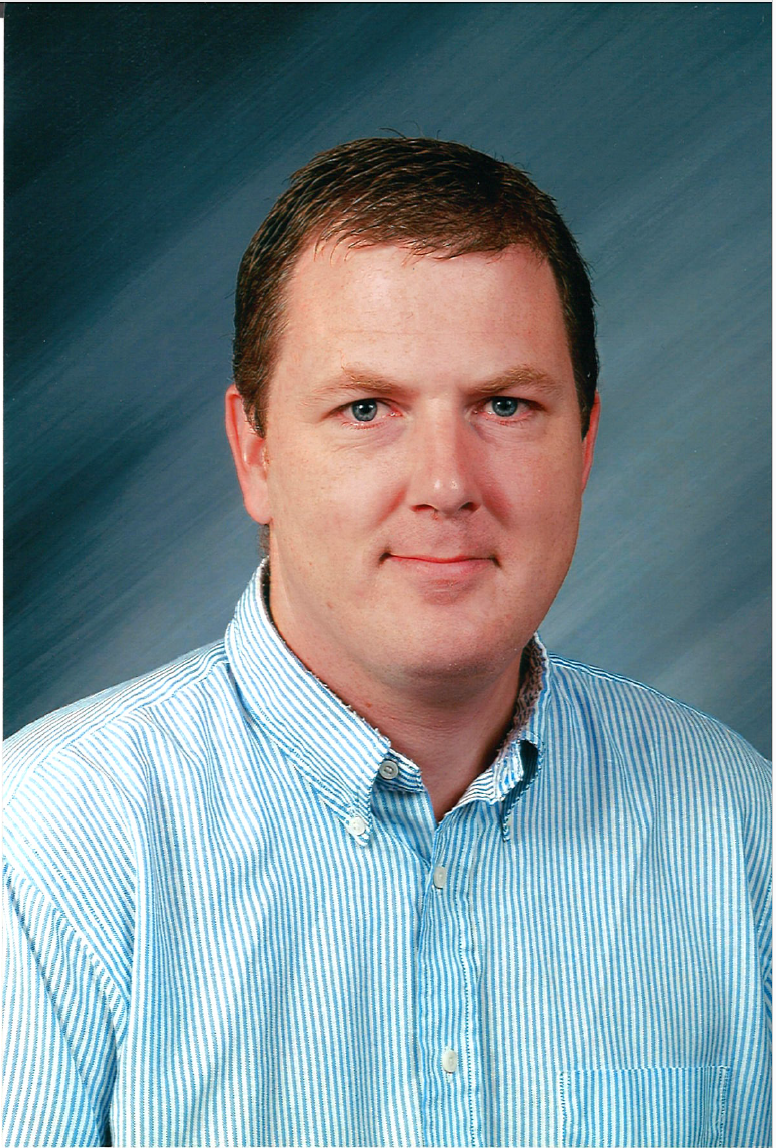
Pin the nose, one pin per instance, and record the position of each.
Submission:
(443, 466)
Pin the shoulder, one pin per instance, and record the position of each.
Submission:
(637, 722)
(86, 786)
(104, 734)
(80, 801)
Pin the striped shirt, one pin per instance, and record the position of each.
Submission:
(234, 920)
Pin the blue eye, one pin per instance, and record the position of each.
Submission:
(504, 407)
(364, 410)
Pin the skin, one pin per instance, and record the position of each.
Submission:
(422, 477)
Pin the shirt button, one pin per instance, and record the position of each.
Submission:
(388, 770)
(449, 1060)
(355, 825)
(439, 877)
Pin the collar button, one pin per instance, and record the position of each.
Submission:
(356, 825)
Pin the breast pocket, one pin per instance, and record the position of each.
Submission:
(643, 1107)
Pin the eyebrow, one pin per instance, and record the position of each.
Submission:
(354, 380)
(530, 377)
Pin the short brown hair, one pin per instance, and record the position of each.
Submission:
(429, 195)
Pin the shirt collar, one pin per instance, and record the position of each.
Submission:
(518, 758)
(332, 746)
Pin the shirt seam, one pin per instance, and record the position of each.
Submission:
(75, 741)
(114, 996)
(642, 687)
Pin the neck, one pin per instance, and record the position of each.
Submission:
(451, 744)
(449, 726)
(450, 731)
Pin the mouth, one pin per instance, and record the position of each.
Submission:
(435, 560)
(439, 560)
(441, 572)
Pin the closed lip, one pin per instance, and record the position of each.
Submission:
(441, 561)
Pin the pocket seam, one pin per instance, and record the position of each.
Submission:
(716, 1124)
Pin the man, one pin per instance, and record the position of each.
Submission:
(377, 869)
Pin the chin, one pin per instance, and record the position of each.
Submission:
(458, 662)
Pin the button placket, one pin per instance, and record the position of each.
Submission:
(447, 974)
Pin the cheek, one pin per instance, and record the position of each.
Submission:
(331, 498)
(356, 502)
(543, 492)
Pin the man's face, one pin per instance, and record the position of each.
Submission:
(423, 466)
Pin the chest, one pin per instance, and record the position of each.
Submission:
(439, 985)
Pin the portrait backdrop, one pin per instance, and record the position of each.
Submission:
(144, 145)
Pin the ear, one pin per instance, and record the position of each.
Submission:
(588, 443)
(250, 458)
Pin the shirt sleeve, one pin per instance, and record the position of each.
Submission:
(60, 1049)
(757, 842)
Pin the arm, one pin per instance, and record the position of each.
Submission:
(60, 1048)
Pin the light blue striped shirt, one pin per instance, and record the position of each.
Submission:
(234, 920)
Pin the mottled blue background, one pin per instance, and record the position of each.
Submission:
(144, 144)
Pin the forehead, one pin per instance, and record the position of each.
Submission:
(478, 312)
